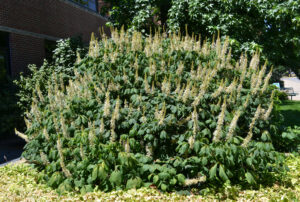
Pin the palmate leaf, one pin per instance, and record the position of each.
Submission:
(79, 183)
(134, 183)
(183, 149)
(116, 178)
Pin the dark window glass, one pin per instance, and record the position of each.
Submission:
(90, 4)
(3, 39)
(4, 54)
(49, 48)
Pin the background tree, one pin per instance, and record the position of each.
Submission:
(137, 14)
(270, 26)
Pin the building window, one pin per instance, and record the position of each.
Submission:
(49, 48)
(90, 4)
(4, 54)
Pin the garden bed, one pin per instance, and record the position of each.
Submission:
(19, 182)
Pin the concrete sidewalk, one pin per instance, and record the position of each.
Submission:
(11, 162)
(293, 82)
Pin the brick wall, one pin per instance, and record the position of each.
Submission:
(53, 18)
(25, 50)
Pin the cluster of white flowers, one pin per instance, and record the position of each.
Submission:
(166, 86)
(44, 158)
(61, 156)
(194, 181)
(218, 132)
(233, 125)
(250, 133)
(106, 107)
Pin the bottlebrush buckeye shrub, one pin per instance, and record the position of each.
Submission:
(164, 110)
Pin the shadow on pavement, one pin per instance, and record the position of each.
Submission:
(10, 148)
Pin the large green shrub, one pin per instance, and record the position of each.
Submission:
(164, 110)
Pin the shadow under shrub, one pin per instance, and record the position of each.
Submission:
(289, 140)
(162, 111)
(11, 117)
(286, 137)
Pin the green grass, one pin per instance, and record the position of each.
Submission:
(20, 183)
(291, 112)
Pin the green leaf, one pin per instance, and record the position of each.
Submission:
(116, 178)
(213, 172)
(222, 173)
(265, 136)
(55, 180)
(204, 161)
(89, 188)
(250, 179)
(164, 175)
(134, 183)
(197, 146)
(181, 179)
(95, 173)
(102, 174)
(249, 161)
(155, 179)
(79, 183)
(173, 181)
(163, 135)
(164, 187)
(183, 148)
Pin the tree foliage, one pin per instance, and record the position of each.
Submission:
(270, 26)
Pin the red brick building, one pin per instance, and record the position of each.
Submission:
(26, 25)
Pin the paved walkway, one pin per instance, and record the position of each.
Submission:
(293, 82)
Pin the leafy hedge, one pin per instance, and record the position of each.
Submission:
(166, 111)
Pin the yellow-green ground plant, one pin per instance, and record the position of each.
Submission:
(21, 182)
(168, 111)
